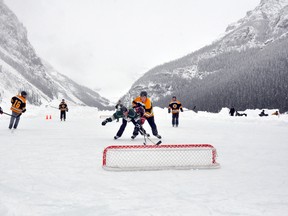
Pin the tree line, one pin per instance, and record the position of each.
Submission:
(254, 78)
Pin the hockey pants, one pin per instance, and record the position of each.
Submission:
(14, 120)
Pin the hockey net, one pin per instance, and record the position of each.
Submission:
(163, 157)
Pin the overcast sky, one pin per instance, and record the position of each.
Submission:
(108, 44)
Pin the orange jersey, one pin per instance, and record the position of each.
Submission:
(147, 105)
(18, 104)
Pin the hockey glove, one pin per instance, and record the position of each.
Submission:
(169, 111)
(142, 120)
(140, 129)
(24, 110)
(181, 109)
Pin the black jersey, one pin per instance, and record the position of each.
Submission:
(175, 106)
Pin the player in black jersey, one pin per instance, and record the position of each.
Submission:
(175, 106)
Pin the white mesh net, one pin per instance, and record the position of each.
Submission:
(195, 156)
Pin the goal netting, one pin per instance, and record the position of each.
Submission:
(162, 157)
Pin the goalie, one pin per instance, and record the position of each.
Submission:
(127, 115)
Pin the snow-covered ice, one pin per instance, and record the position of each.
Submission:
(53, 168)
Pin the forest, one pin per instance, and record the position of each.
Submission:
(255, 78)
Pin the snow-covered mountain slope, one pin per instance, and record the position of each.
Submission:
(266, 23)
(22, 69)
(242, 68)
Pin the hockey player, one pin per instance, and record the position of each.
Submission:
(18, 107)
(63, 109)
(118, 107)
(145, 102)
(263, 113)
(276, 113)
(127, 115)
(232, 111)
(175, 106)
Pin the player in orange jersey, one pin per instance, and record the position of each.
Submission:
(145, 102)
(18, 107)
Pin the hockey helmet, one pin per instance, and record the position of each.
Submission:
(123, 109)
(143, 94)
(23, 93)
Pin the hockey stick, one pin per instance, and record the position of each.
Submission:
(12, 115)
(158, 143)
(145, 140)
(7, 114)
(54, 107)
(143, 132)
(193, 109)
(146, 136)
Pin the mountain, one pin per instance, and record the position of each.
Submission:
(246, 68)
(21, 69)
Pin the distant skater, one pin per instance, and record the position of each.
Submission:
(174, 106)
(63, 109)
(18, 107)
(240, 114)
(263, 113)
(232, 111)
(276, 113)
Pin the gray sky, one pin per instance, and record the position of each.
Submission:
(108, 44)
